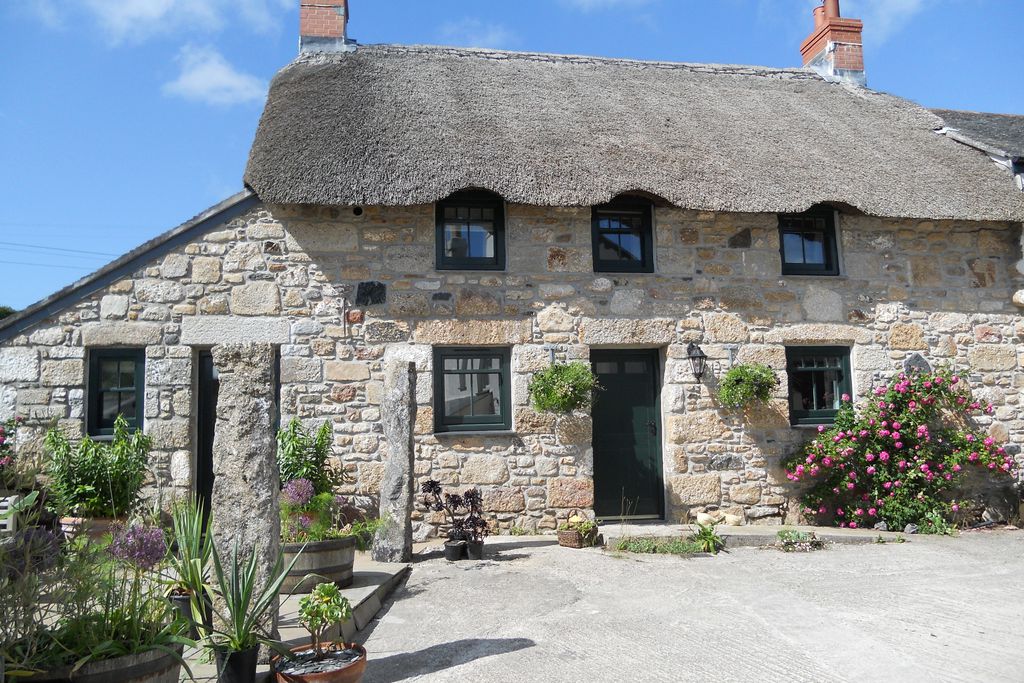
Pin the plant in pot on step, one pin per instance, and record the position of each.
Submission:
(189, 552)
(240, 607)
(333, 662)
(94, 482)
(577, 532)
(313, 518)
(466, 525)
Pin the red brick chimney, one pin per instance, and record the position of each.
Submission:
(835, 48)
(323, 26)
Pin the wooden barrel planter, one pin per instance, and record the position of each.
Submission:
(148, 667)
(95, 528)
(330, 560)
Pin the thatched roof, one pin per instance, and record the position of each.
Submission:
(394, 125)
(1000, 134)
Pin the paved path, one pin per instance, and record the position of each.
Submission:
(932, 609)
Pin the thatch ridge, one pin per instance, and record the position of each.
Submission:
(394, 125)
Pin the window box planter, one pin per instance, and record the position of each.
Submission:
(330, 560)
(153, 666)
(346, 672)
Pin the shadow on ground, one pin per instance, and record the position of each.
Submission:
(438, 658)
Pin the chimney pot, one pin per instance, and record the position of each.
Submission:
(832, 9)
(819, 17)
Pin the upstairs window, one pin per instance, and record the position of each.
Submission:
(622, 237)
(116, 381)
(472, 390)
(818, 378)
(808, 243)
(471, 232)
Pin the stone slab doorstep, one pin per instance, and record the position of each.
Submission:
(371, 585)
(750, 535)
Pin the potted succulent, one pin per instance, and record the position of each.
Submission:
(189, 552)
(96, 483)
(334, 662)
(240, 608)
(312, 519)
(577, 532)
(466, 524)
(87, 611)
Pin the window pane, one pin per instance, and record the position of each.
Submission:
(458, 392)
(108, 374)
(456, 241)
(606, 367)
(631, 248)
(635, 367)
(608, 247)
(486, 394)
(481, 240)
(127, 375)
(109, 407)
(793, 247)
(814, 248)
(128, 402)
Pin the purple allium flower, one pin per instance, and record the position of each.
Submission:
(298, 492)
(140, 545)
(305, 520)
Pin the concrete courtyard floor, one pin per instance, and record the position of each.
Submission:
(932, 609)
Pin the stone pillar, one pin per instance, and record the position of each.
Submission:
(393, 542)
(246, 482)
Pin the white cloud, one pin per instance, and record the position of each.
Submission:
(475, 33)
(594, 5)
(882, 18)
(209, 78)
(132, 21)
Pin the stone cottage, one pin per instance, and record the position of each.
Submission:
(483, 213)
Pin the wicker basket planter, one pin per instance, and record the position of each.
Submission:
(574, 539)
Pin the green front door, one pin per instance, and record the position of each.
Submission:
(627, 436)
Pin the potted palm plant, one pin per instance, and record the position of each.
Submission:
(239, 610)
(320, 662)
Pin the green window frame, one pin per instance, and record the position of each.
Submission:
(623, 226)
(808, 243)
(469, 217)
(818, 378)
(472, 389)
(117, 379)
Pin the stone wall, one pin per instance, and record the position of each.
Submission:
(303, 279)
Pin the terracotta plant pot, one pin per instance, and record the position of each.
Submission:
(330, 560)
(475, 551)
(454, 552)
(236, 667)
(95, 528)
(350, 673)
(147, 667)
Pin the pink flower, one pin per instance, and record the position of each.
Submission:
(822, 510)
(954, 379)
(870, 457)
(924, 467)
(957, 468)
(955, 507)
(853, 525)
(821, 428)
(872, 512)
(871, 470)
(887, 485)
(850, 485)
(883, 456)
(845, 398)
(898, 445)
(826, 461)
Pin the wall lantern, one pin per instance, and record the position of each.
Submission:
(698, 360)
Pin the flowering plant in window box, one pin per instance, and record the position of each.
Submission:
(899, 457)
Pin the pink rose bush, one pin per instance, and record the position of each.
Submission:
(899, 457)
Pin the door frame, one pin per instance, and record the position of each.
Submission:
(657, 355)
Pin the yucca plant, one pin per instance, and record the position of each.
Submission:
(243, 603)
(707, 539)
(189, 553)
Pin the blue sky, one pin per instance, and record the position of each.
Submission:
(120, 119)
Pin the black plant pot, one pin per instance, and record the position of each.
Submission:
(475, 551)
(182, 605)
(236, 667)
(454, 551)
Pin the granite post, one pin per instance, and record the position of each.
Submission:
(246, 481)
(393, 542)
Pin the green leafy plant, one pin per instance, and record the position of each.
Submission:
(660, 546)
(585, 527)
(563, 387)
(245, 603)
(321, 609)
(302, 454)
(935, 523)
(899, 457)
(707, 539)
(791, 540)
(746, 384)
(97, 479)
(520, 531)
(189, 551)
(364, 530)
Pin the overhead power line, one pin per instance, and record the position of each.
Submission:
(49, 265)
(46, 247)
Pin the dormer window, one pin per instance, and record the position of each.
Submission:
(623, 240)
(471, 232)
(808, 243)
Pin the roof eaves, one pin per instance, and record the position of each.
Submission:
(216, 215)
